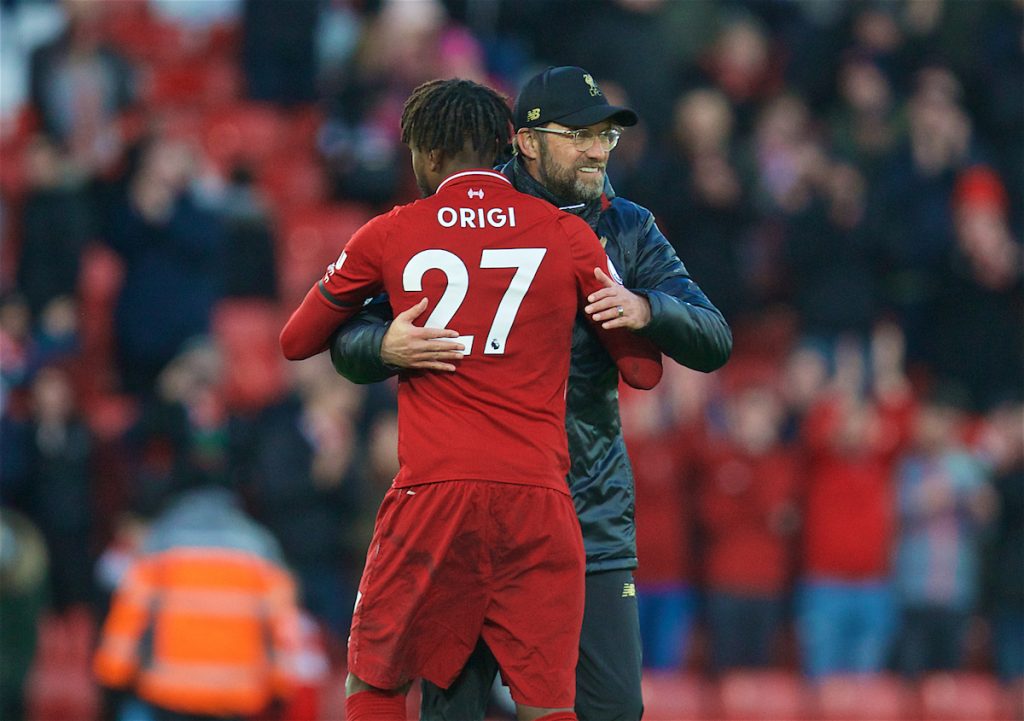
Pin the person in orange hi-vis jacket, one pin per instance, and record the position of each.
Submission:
(205, 625)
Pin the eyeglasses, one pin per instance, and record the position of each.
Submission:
(583, 138)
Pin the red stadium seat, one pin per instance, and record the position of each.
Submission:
(144, 36)
(140, 36)
(60, 694)
(312, 238)
(209, 82)
(304, 122)
(248, 133)
(60, 685)
(296, 180)
(223, 39)
(774, 695)
(963, 697)
(247, 331)
(673, 696)
(865, 698)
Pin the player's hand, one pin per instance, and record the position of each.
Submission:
(410, 346)
(617, 307)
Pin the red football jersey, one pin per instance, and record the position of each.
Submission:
(506, 270)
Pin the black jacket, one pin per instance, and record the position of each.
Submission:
(684, 325)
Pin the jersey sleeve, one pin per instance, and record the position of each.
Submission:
(355, 276)
(638, 359)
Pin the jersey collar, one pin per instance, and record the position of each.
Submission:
(472, 174)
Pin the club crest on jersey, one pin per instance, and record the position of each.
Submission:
(475, 193)
(476, 217)
(589, 80)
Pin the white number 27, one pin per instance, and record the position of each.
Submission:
(526, 261)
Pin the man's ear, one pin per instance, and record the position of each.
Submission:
(435, 158)
(526, 142)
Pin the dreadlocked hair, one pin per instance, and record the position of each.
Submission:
(448, 115)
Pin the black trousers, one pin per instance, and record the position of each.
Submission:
(932, 639)
(607, 674)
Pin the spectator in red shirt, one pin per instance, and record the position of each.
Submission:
(661, 448)
(748, 482)
(846, 615)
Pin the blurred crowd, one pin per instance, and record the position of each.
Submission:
(843, 179)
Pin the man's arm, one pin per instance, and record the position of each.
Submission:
(355, 346)
(372, 346)
(684, 324)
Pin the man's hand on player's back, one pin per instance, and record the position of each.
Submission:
(406, 345)
(409, 346)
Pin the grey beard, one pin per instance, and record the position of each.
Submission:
(566, 185)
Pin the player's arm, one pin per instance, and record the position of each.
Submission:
(684, 324)
(638, 360)
(336, 297)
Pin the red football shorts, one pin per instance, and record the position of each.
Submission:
(452, 562)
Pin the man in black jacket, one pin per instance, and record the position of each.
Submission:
(566, 131)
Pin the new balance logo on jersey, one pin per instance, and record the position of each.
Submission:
(477, 217)
(628, 590)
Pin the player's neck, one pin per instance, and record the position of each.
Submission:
(452, 164)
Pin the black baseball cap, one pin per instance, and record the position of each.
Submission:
(567, 95)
